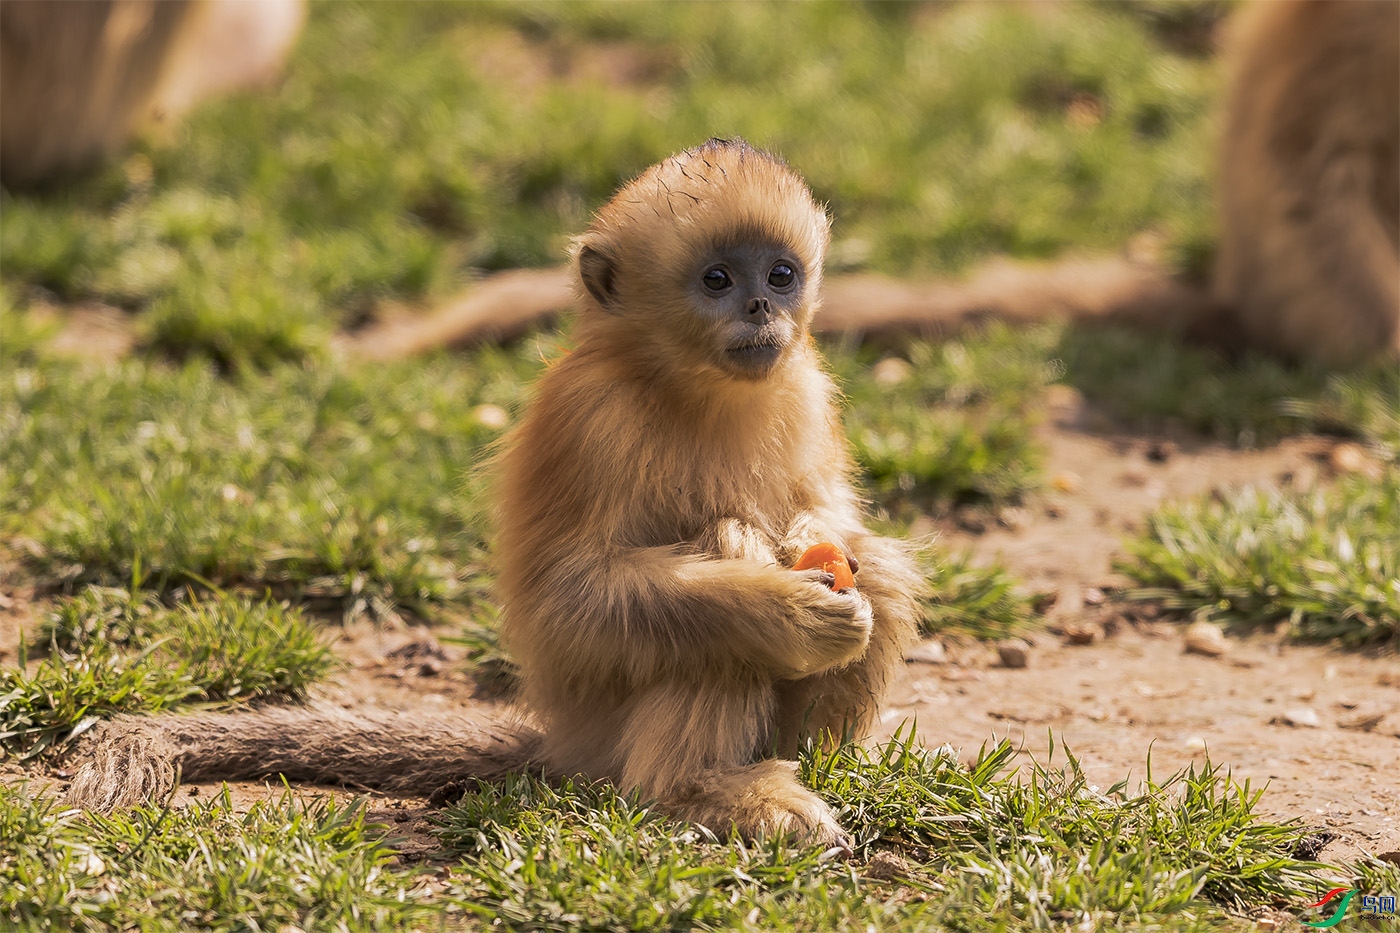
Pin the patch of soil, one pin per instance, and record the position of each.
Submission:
(1319, 727)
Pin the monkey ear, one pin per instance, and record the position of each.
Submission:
(599, 274)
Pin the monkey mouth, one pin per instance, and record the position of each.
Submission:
(754, 357)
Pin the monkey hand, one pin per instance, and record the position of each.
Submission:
(835, 626)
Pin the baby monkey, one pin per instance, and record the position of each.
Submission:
(669, 473)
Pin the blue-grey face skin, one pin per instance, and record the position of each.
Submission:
(754, 294)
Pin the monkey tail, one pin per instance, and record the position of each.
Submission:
(134, 759)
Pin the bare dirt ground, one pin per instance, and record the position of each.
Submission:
(1319, 727)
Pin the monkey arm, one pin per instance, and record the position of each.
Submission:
(656, 612)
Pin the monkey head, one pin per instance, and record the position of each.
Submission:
(710, 260)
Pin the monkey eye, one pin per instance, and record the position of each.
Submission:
(781, 275)
(716, 280)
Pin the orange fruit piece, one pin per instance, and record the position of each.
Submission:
(827, 556)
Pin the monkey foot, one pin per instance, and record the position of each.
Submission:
(796, 813)
(762, 801)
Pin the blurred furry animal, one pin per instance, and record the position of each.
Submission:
(672, 468)
(79, 77)
(1310, 179)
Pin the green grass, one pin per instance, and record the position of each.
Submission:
(317, 482)
(114, 652)
(480, 135)
(1147, 382)
(281, 865)
(979, 849)
(1326, 563)
(939, 845)
(986, 602)
(957, 426)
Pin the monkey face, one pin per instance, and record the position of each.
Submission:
(710, 261)
(752, 298)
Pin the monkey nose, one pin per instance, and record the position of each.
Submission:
(757, 305)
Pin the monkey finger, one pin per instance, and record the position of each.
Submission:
(835, 841)
(818, 576)
(854, 563)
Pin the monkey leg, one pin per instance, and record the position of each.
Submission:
(693, 746)
(844, 701)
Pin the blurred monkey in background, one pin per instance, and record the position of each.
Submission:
(79, 77)
(1309, 192)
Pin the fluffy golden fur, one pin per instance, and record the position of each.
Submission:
(1310, 179)
(668, 474)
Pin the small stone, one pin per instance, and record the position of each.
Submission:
(1066, 481)
(1159, 451)
(928, 652)
(1195, 744)
(1362, 720)
(1081, 633)
(89, 863)
(890, 371)
(1205, 638)
(430, 668)
(1303, 717)
(491, 416)
(1013, 654)
(1093, 596)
